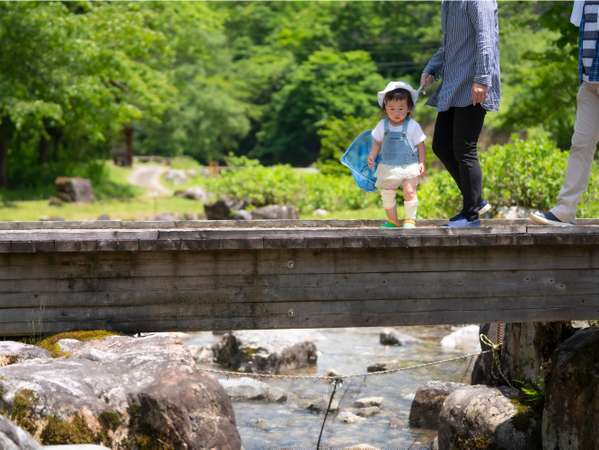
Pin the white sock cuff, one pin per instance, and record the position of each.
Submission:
(410, 208)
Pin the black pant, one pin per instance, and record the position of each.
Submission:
(454, 142)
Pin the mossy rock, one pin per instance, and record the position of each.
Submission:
(59, 431)
(51, 343)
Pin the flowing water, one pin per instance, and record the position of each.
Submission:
(347, 351)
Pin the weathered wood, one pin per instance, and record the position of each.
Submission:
(154, 276)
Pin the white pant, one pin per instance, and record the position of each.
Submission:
(584, 144)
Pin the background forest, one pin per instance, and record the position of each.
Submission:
(280, 82)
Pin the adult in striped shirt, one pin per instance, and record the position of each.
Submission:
(468, 64)
(586, 126)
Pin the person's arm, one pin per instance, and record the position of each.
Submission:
(374, 152)
(433, 68)
(421, 158)
(483, 19)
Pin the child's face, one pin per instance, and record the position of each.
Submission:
(397, 110)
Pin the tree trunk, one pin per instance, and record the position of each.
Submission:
(128, 130)
(43, 148)
(5, 129)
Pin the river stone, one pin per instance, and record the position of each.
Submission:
(251, 389)
(427, 404)
(361, 447)
(487, 418)
(367, 411)
(347, 416)
(231, 353)
(525, 353)
(120, 390)
(13, 437)
(275, 212)
(571, 409)
(12, 352)
(193, 193)
(368, 401)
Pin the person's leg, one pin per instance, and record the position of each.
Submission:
(390, 205)
(410, 202)
(467, 125)
(584, 144)
(443, 144)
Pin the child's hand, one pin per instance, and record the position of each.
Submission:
(421, 169)
(371, 158)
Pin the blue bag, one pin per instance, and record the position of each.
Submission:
(356, 159)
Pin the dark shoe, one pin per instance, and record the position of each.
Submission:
(548, 218)
(463, 223)
(483, 208)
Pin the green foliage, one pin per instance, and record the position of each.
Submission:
(524, 172)
(329, 84)
(247, 180)
(542, 77)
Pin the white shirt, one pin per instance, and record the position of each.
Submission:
(414, 133)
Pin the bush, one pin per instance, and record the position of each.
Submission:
(245, 179)
(526, 173)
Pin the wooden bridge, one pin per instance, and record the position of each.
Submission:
(212, 275)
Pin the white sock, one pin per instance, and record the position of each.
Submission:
(410, 208)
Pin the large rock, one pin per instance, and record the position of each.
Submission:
(231, 353)
(13, 437)
(428, 401)
(525, 353)
(122, 392)
(275, 212)
(74, 189)
(225, 209)
(193, 193)
(571, 409)
(482, 417)
(14, 352)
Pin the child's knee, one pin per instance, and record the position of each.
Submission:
(388, 197)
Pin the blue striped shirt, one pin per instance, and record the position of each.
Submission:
(588, 54)
(470, 53)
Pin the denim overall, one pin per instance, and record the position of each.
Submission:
(396, 150)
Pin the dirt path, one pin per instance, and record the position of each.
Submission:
(148, 178)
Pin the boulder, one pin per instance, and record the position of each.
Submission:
(464, 338)
(193, 193)
(251, 389)
(275, 212)
(368, 401)
(14, 352)
(74, 189)
(225, 209)
(393, 337)
(525, 354)
(485, 417)
(428, 401)
(121, 392)
(176, 176)
(13, 437)
(231, 353)
(571, 408)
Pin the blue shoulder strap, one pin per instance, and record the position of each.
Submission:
(404, 128)
(386, 122)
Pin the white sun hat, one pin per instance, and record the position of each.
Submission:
(392, 85)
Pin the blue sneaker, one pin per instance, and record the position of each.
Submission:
(548, 218)
(483, 208)
(463, 223)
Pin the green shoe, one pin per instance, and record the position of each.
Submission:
(388, 225)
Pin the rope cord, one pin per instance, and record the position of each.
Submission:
(324, 420)
(350, 376)
(495, 347)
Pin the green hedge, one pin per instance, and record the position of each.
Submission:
(525, 172)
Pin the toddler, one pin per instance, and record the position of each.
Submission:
(398, 144)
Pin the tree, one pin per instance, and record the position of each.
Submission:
(328, 84)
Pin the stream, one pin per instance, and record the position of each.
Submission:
(348, 351)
